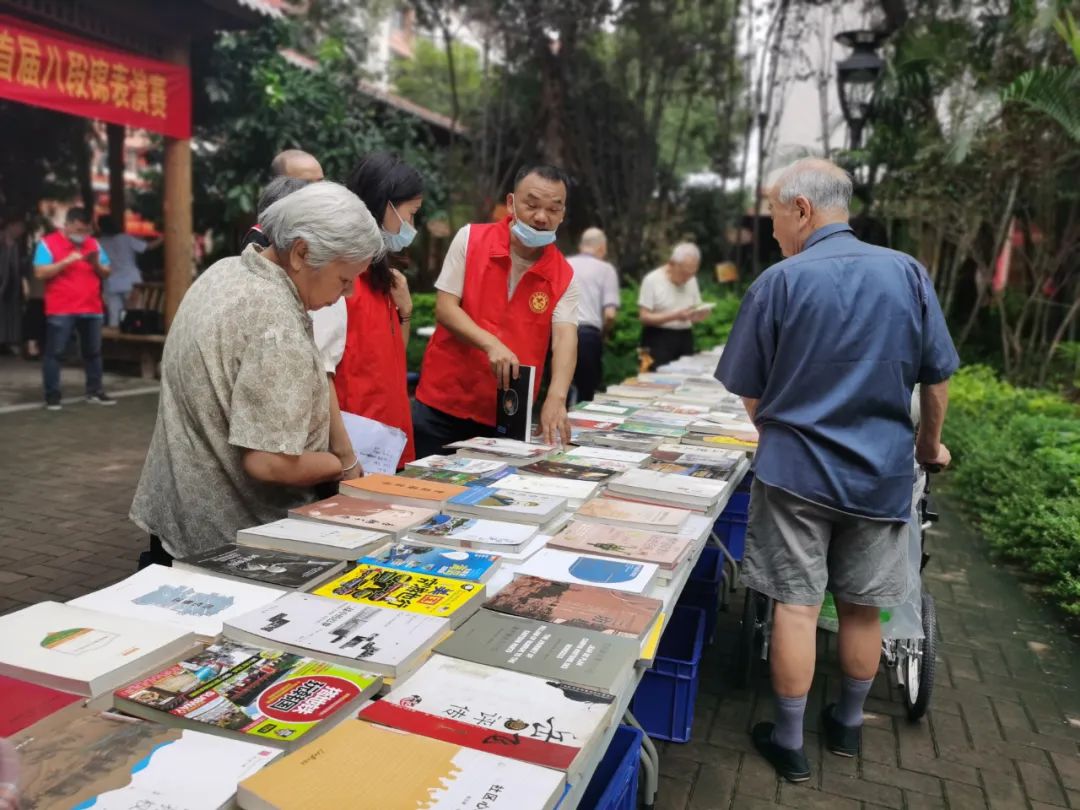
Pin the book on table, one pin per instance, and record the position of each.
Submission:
(668, 551)
(600, 456)
(651, 486)
(587, 607)
(326, 540)
(365, 765)
(506, 554)
(83, 651)
(684, 454)
(584, 421)
(423, 558)
(651, 416)
(604, 408)
(197, 603)
(401, 489)
(274, 569)
(554, 468)
(457, 479)
(574, 492)
(617, 512)
(651, 429)
(509, 451)
(634, 392)
(385, 642)
(536, 720)
(514, 406)
(707, 471)
(724, 425)
(591, 569)
(633, 403)
(23, 703)
(679, 408)
(380, 516)
(475, 533)
(730, 440)
(507, 505)
(459, 464)
(80, 758)
(618, 440)
(250, 693)
(423, 594)
(582, 658)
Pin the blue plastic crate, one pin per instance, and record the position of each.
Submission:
(614, 786)
(704, 587)
(664, 701)
(744, 485)
(730, 527)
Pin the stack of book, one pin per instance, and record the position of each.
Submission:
(513, 506)
(508, 451)
(274, 569)
(363, 513)
(668, 552)
(398, 489)
(327, 540)
(666, 489)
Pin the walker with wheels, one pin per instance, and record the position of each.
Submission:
(909, 632)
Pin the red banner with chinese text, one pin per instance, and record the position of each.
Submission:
(54, 70)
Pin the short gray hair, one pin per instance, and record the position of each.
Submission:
(277, 189)
(591, 239)
(685, 252)
(822, 182)
(332, 220)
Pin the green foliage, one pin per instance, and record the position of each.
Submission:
(1052, 91)
(425, 78)
(1017, 468)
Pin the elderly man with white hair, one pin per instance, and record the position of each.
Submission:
(598, 283)
(825, 352)
(668, 306)
(242, 431)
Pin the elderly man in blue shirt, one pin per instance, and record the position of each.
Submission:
(826, 351)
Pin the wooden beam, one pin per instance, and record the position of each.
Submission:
(117, 197)
(177, 205)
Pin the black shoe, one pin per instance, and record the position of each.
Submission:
(791, 765)
(844, 741)
(100, 398)
(52, 402)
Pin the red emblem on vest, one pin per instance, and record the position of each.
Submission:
(538, 302)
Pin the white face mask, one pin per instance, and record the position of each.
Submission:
(77, 238)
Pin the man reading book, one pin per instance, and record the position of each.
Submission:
(669, 304)
(504, 295)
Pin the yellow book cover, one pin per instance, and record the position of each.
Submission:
(652, 640)
(732, 440)
(404, 590)
(398, 486)
(362, 765)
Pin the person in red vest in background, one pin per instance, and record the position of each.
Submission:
(72, 265)
(504, 294)
(373, 325)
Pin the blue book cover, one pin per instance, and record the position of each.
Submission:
(454, 563)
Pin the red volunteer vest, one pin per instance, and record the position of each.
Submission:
(456, 378)
(370, 379)
(77, 289)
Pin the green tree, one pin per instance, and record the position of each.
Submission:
(425, 79)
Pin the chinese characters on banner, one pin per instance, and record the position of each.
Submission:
(49, 69)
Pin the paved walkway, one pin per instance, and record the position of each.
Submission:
(1003, 730)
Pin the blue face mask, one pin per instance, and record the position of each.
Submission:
(529, 236)
(396, 242)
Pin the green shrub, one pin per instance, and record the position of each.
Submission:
(1017, 469)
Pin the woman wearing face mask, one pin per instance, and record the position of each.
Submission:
(370, 379)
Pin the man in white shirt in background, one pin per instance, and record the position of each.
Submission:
(598, 286)
(667, 302)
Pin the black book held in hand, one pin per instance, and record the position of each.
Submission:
(513, 410)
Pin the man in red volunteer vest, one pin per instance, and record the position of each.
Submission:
(72, 265)
(505, 292)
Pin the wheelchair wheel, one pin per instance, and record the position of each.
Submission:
(751, 637)
(919, 668)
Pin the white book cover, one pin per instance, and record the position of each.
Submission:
(506, 504)
(195, 772)
(600, 407)
(629, 513)
(458, 529)
(84, 651)
(509, 555)
(495, 710)
(544, 485)
(373, 638)
(591, 418)
(588, 569)
(324, 535)
(506, 447)
(459, 464)
(199, 603)
(608, 454)
(669, 484)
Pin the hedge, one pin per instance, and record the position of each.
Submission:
(1016, 455)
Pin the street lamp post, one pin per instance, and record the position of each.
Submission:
(856, 77)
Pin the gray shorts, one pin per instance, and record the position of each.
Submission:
(796, 549)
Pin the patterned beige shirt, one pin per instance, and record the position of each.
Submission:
(240, 371)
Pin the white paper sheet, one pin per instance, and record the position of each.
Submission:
(378, 447)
